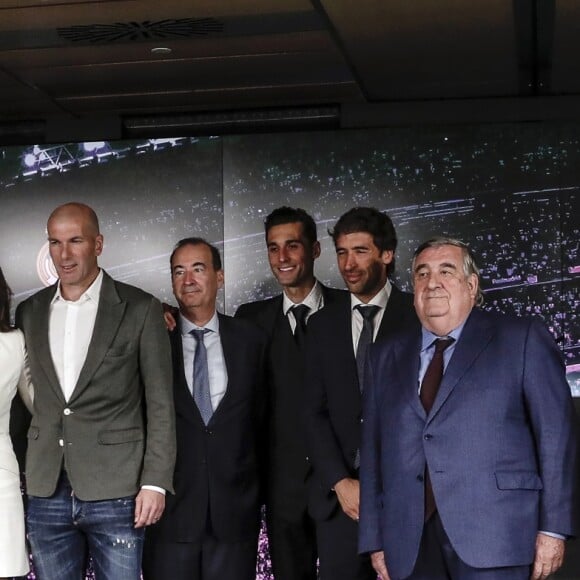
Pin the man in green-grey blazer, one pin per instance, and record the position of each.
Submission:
(101, 444)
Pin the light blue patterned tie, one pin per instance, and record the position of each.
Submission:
(201, 394)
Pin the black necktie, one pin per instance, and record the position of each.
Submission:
(300, 313)
(429, 388)
(368, 314)
(201, 392)
(366, 337)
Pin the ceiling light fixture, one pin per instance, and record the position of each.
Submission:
(161, 51)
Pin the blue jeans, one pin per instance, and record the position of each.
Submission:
(63, 530)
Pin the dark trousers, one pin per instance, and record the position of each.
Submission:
(292, 546)
(438, 560)
(338, 550)
(210, 559)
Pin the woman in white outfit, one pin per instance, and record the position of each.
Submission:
(13, 555)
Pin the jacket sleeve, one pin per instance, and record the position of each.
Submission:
(370, 467)
(553, 422)
(325, 452)
(157, 378)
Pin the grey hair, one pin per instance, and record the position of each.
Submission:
(469, 264)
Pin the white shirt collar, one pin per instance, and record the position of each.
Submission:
(380, 299)
(313, 300)
(187, 326)
(93, 292)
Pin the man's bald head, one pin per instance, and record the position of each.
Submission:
(75, 244)
(76, 210)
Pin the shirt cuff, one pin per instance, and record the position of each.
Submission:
(154, 488)
(553, 535)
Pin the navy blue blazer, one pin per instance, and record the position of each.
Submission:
(499, 443)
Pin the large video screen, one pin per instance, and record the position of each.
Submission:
(147, 195)
(511, 191)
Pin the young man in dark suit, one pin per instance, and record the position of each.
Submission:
(365, 242)
(210, 527)
(292, 248)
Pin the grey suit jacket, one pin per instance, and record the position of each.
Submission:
(117, 431)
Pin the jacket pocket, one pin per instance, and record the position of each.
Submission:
(117, 436)
(120, 350)
(518, 480)
(33, 432)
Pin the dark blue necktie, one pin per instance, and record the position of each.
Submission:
(368, 314)
(201, 393)
(366, 337)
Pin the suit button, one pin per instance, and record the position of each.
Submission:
(427, 437)
(61, 442)
(209, 431)
(420, 478)
(67, 411)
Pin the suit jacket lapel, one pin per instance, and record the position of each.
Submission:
(231, 359)
(343, 333)
(408, 361)
(474, 338)
(184, 402)
(391, 314)
(109, 315)
(409, 348)
(39, 341)
(269, 315)
(331, 295)
(266, 316)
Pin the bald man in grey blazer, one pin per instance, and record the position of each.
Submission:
(101, 445)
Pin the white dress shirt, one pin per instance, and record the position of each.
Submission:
(70, 329)
(216, 363)
(314, 300)
(380, 300)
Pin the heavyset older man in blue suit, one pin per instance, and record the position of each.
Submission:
(496, 446)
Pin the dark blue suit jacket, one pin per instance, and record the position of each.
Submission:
(499, 442)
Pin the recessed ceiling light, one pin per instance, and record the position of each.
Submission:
(161, 50)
